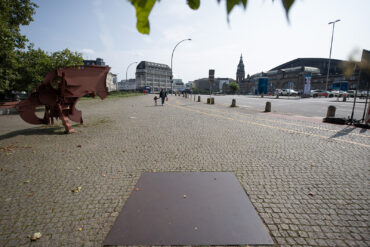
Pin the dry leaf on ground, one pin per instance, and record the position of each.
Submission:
(77, 189)
(36, 236)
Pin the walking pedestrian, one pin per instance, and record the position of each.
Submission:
(162, 95)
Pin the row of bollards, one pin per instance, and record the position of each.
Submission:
(211, 101)
(185, 95)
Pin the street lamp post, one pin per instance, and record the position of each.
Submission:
(129, 67)
(331, 45)
(172, 59)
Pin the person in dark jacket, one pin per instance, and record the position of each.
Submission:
(162, 95)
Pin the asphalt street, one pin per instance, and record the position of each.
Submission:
(310, 107)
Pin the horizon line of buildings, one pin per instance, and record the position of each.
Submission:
(290, 75)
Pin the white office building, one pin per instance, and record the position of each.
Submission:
(154, 75)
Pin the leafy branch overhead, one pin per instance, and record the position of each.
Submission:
(144, 7)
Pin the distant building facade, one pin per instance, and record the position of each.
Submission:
(204, 84)
(155, 75)
(129, 85)
(292, 75)
(320, 63)
(98, 61)
(111, 82)
(240, 72)
(223, 82)
(189, 85)
(217, 86)
(178, 85)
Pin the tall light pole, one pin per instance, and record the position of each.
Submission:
(331, 45)
(129, 67)
(172, 59)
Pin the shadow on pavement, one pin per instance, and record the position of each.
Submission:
(343, 132)
(34, 131)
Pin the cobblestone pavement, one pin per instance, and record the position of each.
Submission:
(309, 181)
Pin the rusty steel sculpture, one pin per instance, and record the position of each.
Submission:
(60, 92)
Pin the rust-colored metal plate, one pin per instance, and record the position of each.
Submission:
(188, 208)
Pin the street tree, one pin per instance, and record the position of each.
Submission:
(34, 64)
(234, 87)
(13, 14)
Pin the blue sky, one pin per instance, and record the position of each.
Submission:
(107, 29)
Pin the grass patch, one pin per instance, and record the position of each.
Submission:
(120, 94)
(114, 95)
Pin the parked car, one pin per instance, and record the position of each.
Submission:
(337, 93)
(319, 93)
(351, 93)
(13, 95)
(360, 93)
(277, 92)
(288, 92)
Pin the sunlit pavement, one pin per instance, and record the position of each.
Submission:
(310, 107)
(308, 180)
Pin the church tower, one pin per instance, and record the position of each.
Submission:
(240, 73)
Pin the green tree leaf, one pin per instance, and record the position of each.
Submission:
(230, 4)
(287, 5)
(194, 4)
(143, 9)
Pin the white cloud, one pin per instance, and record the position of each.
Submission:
(87, 51)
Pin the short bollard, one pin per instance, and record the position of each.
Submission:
(268, 107)
(344, 98)
(233, 103)
(194, 97)
(210, 101)
(198, 98)
(261, 95)
(331, 111)
(277, 96)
